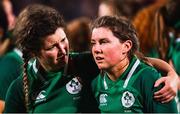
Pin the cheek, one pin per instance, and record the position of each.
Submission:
(67, 44)
(92, 50)
(113, 55)
(49, 56)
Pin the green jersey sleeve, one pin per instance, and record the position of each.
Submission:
(149, 77)
(15, 97)
(10, 69)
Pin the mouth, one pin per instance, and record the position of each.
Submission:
(99, 59)
(61, 57)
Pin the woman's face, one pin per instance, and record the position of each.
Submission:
(107, 49)
(54, 52)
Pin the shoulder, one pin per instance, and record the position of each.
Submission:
(16, 85)
(85, 65)
(147, 72)
(10, 70)
(11, 57)
(147, 76)
(14, 90)
(96, 83)
(10, 66)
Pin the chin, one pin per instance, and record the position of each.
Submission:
(59, 67)
(101, 67)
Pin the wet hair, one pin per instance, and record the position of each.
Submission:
(3, 22)
(121, 28)
(33, 24)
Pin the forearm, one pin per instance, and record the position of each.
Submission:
(171, 81)
(163, 66)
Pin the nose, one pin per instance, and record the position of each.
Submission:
(97, 49)
(61, 48)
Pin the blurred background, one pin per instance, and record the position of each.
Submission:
(72, 9)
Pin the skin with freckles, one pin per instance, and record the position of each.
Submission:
(103, 47)
(54, 52)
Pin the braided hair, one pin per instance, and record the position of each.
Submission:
(33, 24)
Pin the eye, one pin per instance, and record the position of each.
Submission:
(103, 41)
(50, 48)
(63, 39)
(92, 43)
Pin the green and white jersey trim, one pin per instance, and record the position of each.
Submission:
(18, 52)
(34, 66)
(128, 76)
(131, 72)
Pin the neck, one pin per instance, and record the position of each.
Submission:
(115, 72)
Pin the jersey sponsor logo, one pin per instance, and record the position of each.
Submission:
(103, 99)
(74, 86)
(127, 99)
(41, 96)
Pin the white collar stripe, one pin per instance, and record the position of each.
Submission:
(34, 66)
(105, 84)
(131, 72)
(18, 52)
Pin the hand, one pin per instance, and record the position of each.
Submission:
(169, 91)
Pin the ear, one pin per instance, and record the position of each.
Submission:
(127, 45)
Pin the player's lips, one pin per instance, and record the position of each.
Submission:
(99, 59)
(61, 57)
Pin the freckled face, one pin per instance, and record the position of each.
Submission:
(106, 48)
(54, 52)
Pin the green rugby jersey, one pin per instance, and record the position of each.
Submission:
(176, 55)
(53, 92)
(10, 69)
(132, 92)
(176, 63)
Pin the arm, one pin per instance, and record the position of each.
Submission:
(168, 92)
(171, 63)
